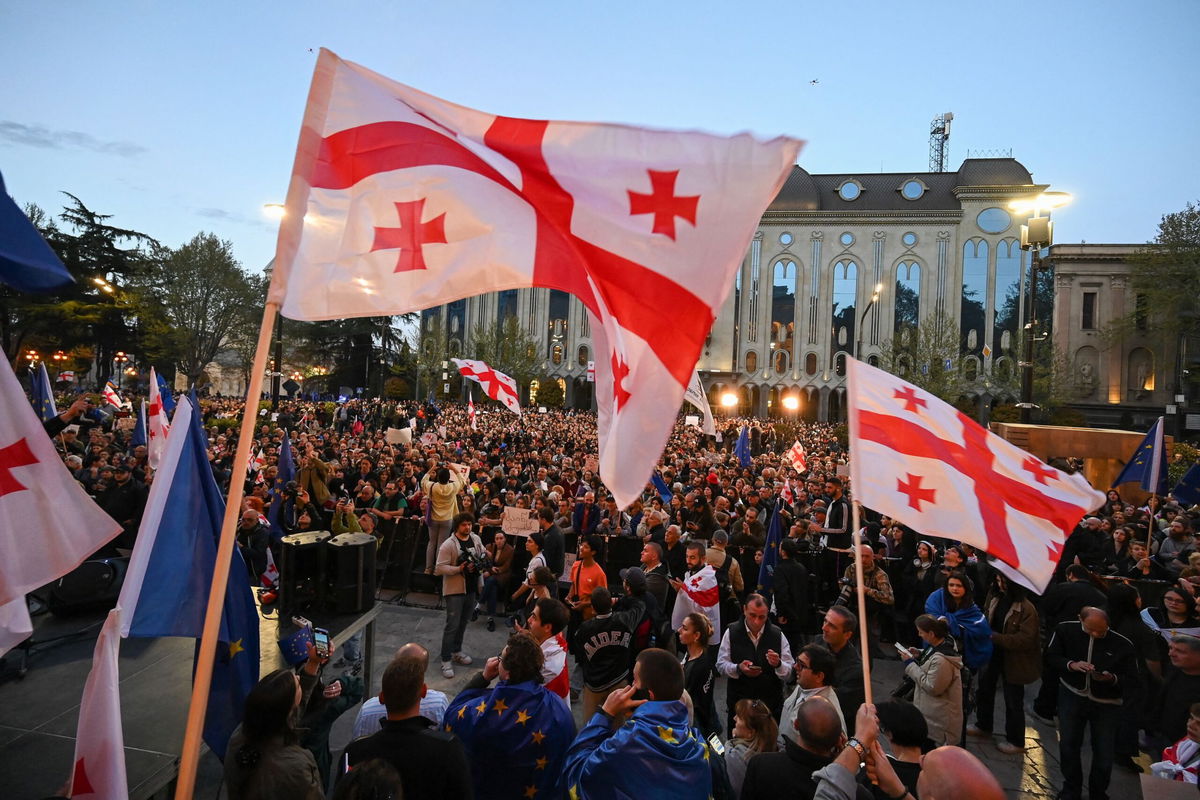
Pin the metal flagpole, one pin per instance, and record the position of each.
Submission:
(190, 756)
(864, 644)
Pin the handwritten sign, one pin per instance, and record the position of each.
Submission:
(518, 521)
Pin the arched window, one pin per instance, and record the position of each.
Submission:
(845, 298)
(751, 361)
(781, 361)
(908, 302)
(810, 364)
(783, 305)
(556, 355)
(1006, 299)
(974, 293)
(582, 357)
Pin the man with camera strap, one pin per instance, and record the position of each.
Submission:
(459, 563)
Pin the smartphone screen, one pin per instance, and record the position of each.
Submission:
(321, 642)
(715, 743)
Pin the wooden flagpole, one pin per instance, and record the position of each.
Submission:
(864, 643)
(190, 756)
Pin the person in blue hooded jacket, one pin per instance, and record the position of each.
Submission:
(654, 753)
(955, 603)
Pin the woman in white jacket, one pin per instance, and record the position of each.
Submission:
(936, 671)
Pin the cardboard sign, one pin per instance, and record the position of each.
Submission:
(518, 521)
(692, 419)
(398, 436)
(429, 438)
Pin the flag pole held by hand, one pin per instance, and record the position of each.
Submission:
(862, 605)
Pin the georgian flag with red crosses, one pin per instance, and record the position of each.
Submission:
(400, 201)
(925, 463)
(157, 426)
(496, 385)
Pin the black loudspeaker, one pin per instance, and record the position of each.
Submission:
(351, 571)
(395, 561)
(91, 584)
(302, 572)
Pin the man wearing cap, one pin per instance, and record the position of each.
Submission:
(1088, 543)
(124, 500)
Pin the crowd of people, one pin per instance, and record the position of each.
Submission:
(640, 613)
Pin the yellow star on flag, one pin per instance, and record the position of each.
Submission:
(522, 717)
(705, 746)
(482, 707)
(573, 792)
(542, 762)
(530, 791)
(667, 735)
(500, 706)
(235, 647)
(461, 711)
(538, 736)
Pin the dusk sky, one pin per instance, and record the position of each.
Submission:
(177, 118)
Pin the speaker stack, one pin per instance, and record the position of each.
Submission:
(351, 565)
(302, 572)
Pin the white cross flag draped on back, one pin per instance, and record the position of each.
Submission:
(925, 463)
(400, 201)
(496, 385)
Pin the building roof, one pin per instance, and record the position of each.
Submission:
(881, 190)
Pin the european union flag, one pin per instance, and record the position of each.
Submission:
(1148, 466)
(171, 570)
(27, 263)
(742, 448)
(516, 736)
(285, 473)
(138, 438)
(1188, 490)
(42, 395)
(166, 397)
(664, 491)
(766, 571)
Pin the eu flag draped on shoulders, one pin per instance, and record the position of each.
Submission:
(400, 201)
(515, 736)
(42, 395)
(742, 448)
(1148, 465)
(654, 754)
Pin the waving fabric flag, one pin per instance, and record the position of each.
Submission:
(165, 394)
(27, 263)
(742, 448)
(400, 201)
(100, 740)
(797, 457)
(471, 410)
(496, 385)
(112, 397)
(1148, 465)
(923, 462)
(37, 493)
(285, 474)
(660, 484)
(1188, 490)
(157, 427)
(138, 437)
(695, 395)
(42, 395)
(766, 571)
(700, 594)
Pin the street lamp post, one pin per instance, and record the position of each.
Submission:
(1036, 235)
(863, 319)
(60, 361)
(120, 359)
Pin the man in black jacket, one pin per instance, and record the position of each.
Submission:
(605, 643)
(431, 762)
(837, 631)
(1062, 602)
(791, 593)
(756, 659)
(1094, 665)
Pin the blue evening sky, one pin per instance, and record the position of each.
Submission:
(177, 117)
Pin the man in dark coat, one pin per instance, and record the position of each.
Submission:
(791, 593)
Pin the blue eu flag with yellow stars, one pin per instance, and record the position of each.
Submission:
(42, 395)
(742, 448)
(1148, 466)
(515, 736)
(1188, 490)
(285, 474)
(654, 754)
(766, 571)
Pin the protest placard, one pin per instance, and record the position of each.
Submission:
(518, 521)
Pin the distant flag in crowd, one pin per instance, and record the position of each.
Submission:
(164, 391)
(37, 493)
(496, 385)
(42, 395)
(256, 461)
(766, 570)
(694, 394)
(138, 438)
(742, 448)
(1148, 465)
(660, 485)
(411, 201)
(786, 493)
(66, 375)
(1187, 491)
(471, 410)
(270, 576)
(797, 457)
(699, 594)
(921, 461)
(171, 568)
(27, 263)
(111, 396)
(285, 473)
(157, 427)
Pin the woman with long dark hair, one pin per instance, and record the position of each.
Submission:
(264, 759)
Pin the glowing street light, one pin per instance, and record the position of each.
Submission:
(729, 399)
(791, 402)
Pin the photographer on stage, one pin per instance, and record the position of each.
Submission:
(461, 560)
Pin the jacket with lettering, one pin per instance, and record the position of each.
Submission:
(606, 643)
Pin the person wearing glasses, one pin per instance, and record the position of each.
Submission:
(815, 667)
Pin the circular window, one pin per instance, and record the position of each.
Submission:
(846, 239)
(912, 190)
(909, 239)
(993, 220)
(850, 190)
(785, 239)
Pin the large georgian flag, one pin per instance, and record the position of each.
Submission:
(496, 385)
(925, 463)
(48, 524)
(400, 201)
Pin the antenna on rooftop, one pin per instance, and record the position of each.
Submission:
(939, 141)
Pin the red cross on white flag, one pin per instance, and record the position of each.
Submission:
(157, 426)
(925, 463)
(496, 385)
(797, 457)
(400, 201)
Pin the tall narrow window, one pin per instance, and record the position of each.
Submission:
(1088, 322)
(845, 296)
(908, 304)
(783, 309)
(506, 305)
(1139, 312)
(974, 294)
(1006, 299)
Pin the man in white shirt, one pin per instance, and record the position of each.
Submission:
(755, 656)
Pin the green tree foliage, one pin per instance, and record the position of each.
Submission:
(927, 356)
(550, 392)
(194, 301)
(507, 347)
